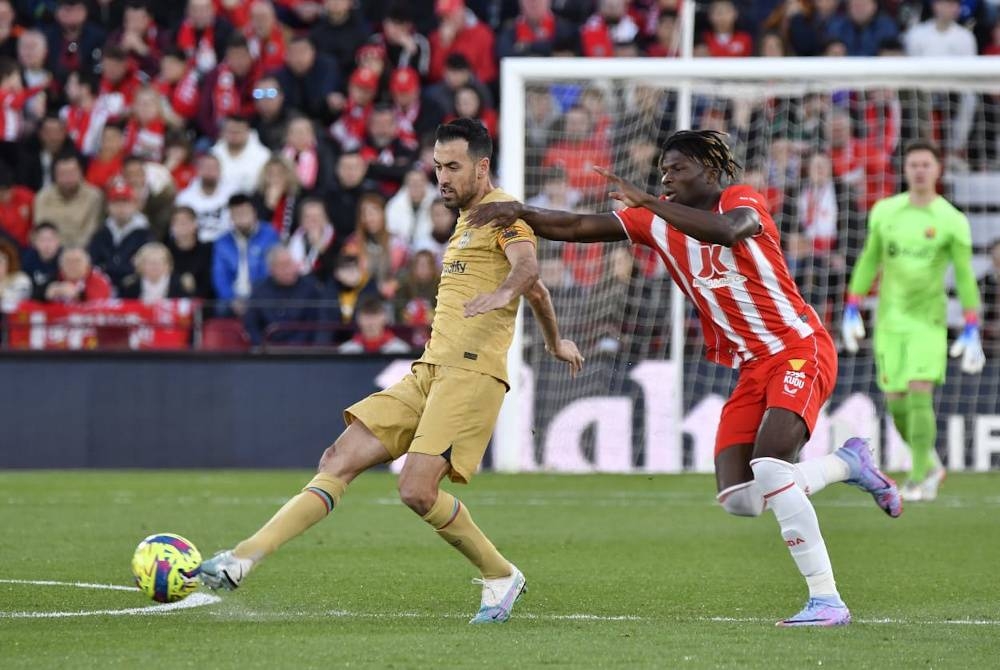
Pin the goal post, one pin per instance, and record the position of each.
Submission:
(648, 401)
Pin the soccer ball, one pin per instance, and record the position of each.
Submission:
(166, 567)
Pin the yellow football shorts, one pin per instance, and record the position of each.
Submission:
(436, 410)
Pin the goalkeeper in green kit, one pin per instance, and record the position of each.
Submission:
(912, 238)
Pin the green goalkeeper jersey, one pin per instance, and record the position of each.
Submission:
(913, 246)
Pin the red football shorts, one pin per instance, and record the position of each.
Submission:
(799, 379)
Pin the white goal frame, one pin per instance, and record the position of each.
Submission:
(681, 74)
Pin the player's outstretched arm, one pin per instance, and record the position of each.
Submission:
(523, 273)
(726, 229)
(549, 223)
(852, 326)
(564, 350)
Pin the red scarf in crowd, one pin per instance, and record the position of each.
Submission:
(545, 31)
(306, 164)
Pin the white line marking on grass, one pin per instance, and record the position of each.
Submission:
(345, 614)
(194, 600)
(896, 622)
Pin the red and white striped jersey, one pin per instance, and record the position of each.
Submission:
(747, 301)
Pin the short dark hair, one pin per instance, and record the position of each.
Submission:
(64, 156)
(134, 158)
(302, 38)
(400, 12)
(8, 66)
(237, 199)
(238, 118)
(115, 52)
(88, 80)
(470, 130)
(237, 41)
(184, 209)
(457, 61)
(371, 305)
(922, 144)
(44, 225)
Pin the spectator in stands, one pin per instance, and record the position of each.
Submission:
(311, 81)
(15, 208)
(9, 29)
(265, 37)
(534, 31)
(540, 120)
(241, 154)
(989, 289)
(373, 57)
(805, 24)
(350, 283)
(126, 229)
(154, 278)
(192, 258)
(228, 89)
(73, 42)
(284, 297)
(179, 84)
(460, 31)
(208, 195)
(314, 244)
(457, 73)
(555, 193)
(342, 201)
(408, 213)
(416, 115)
(383, 254)
(154, 190)
(78, 280)
(277, 196)
(177, 159)
(404, 46)
(311, 159)
(443, 221)
(107, 163)
(239, 259)
(862, 28)
(723, 39)
(348, 131)
(416, 298)
(271, 116)
(577, 151)
(610, 26)
(340, 33)
(41, 261)
(146, 131)
(389, 156)
(139, 37)
(15, 286)
(772, 45)
(119, 83)
(203, 36)
(32, 55)
(13, 97)
(862, 165)
(69, 202)
(468, 105)
(374, 335)
(37, 153)
(666, 38)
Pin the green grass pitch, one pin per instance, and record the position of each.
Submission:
(623, 572)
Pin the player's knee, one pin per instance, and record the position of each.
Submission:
(742, 499)
(416, 495)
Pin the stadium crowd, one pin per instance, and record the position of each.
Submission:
(273, 159)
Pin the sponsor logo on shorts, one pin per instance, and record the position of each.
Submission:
(794, 382)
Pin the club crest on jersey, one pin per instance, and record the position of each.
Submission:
(930, 233)
(794, 382)
(465, 239)
(714, 272)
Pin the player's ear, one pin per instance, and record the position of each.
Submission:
(483, 167)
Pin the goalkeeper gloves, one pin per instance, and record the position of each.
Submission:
(852, 328)
(969, 346)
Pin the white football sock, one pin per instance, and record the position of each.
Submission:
(816, 474)
(797, 520)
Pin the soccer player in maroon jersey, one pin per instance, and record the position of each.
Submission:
(722, 248)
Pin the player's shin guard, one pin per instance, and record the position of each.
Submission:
(452, 521)
(316, 500)
(922, 432)
(797, 520)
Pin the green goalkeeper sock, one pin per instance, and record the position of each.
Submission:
(900, 410)
(922, 433)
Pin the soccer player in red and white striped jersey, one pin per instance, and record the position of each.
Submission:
(722, 248)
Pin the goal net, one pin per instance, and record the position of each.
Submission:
(822, 139)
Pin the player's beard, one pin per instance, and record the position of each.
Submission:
(462, 195)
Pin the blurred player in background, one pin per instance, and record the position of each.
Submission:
(912, 238)
(442, 414)
(721, 246)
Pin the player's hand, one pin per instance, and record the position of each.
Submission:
(499, 214)
(566, 351)
(969, 346)
(852, 328)
(487, 302)
(630, 194)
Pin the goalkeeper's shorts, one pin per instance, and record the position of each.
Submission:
(799, 379)
(918, 355)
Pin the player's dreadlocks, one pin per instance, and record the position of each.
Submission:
(708, 147)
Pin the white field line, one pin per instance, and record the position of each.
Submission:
(194, 600)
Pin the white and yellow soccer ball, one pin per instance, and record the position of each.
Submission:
(166, 567)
